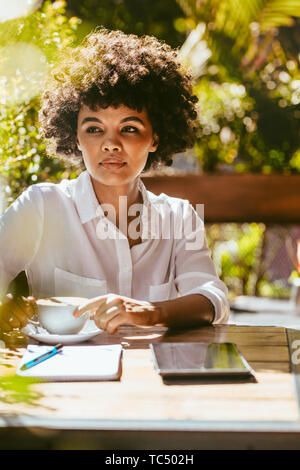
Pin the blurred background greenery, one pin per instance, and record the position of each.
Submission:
(244, 56)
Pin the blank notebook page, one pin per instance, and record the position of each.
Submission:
(74, 363)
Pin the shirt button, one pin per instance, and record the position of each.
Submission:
(127, 269)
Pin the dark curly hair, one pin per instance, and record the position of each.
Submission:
(111, 68)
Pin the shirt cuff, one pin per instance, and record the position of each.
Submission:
(219, 301)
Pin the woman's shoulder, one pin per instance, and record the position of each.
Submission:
(40, 196)
(182, 209)
(174, 203)
(47, 189)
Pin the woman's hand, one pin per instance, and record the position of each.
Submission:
(111, 311)
(15, 312)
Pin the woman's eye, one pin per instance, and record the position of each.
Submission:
(130, 129)
(93, 130)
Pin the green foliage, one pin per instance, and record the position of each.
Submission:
(247, 81)
(23, 159)
(236, 251)
(155, 17)
(274, 289)
(48, 28)
(15, 389)
(294, 275)
(244, 57)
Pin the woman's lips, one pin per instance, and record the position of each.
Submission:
(110, 165)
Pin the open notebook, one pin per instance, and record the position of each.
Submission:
(74, 363)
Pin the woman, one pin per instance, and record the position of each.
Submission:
(120, 105)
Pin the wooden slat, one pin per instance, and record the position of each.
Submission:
(265, 353)
(254, 329)
(270, 366)
(260, 338)
(235, 198)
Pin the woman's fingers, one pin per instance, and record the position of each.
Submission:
(21, 311)
(13, 321)
(91, 305)
(29, 306)
(112, 310)
(4, 326)
(105, 308)
(103, 319)
(99, 304)
(16, 311)
(13, 315)
(115, 322)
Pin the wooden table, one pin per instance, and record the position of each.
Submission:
(141, 411)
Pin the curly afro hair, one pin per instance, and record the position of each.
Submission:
(111, 68)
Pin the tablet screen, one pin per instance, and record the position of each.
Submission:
(199, 359)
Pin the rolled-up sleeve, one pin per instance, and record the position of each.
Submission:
(20, 235)
(195, 272)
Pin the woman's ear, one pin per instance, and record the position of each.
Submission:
(154, 143)
(78, 144)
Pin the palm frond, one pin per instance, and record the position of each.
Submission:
(242, 22)
(232, 16)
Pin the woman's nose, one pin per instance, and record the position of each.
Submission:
(111, 146)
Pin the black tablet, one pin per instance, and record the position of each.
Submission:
(199, 359)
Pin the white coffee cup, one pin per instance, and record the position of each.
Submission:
(56, 315)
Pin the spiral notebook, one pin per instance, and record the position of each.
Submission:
(74, 363)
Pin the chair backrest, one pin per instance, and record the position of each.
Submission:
(236, 198)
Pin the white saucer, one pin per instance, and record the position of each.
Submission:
(40, 334)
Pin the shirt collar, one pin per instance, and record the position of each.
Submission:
(85, 199)
(89, 208)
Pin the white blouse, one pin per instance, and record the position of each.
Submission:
(59, 235)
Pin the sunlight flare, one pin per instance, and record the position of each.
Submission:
(17, 8)
(22, 69)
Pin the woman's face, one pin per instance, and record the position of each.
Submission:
(115, 143)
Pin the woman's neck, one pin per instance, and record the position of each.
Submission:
(111, 195)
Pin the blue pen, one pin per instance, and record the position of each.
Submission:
(43, 357)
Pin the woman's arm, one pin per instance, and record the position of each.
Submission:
(20, 234)
(195, 272)
(111, 310)
(186, 311)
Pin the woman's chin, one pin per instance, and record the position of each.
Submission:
(110, 178)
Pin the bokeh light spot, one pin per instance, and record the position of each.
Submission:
(22, 70)
(12, 9)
